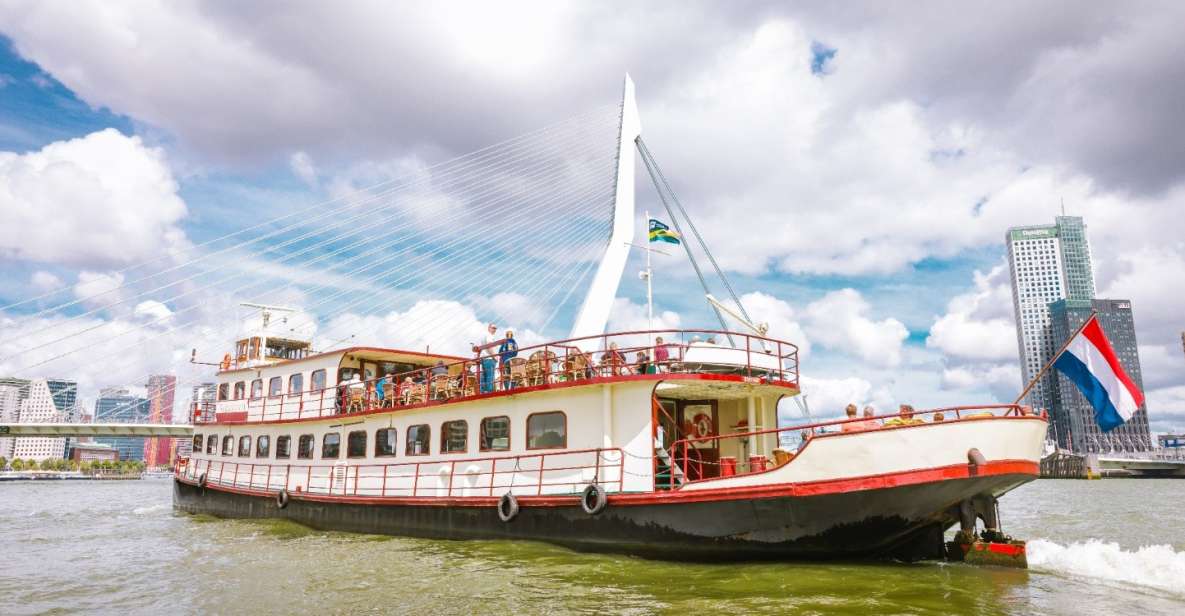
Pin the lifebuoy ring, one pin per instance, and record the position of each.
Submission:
(202, 481)
(702, 425)
(225, 365)
(593, 499)
(282, 498)
(507, 507)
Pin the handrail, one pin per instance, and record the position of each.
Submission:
(809, 429)
(561, 361)
(377, 480)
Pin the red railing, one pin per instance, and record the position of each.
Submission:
(685, 455)
(562, 362)
(544, 473)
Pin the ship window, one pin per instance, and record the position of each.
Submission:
(223, 391)
(254, 352)
(283, 447)
(197, 443)
(317, 380)
(331, 445)
(244, 446)
(256, 388)
(344, 374)
(356, 444)
(263, 446)
(547, 430)
(418, 440)
(495, 433)
(305, 449)
(212, 444)
(295, 384)
(240, 389)
(384, 442)
(453, 436)
(274, 386)
(228, 445)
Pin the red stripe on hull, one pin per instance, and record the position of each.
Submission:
(803, 489)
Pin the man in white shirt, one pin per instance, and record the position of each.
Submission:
(489, 358)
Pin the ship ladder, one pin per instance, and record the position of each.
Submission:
(662, 475)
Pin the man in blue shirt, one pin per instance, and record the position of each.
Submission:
(507, 351)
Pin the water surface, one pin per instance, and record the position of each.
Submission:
(1096, 547)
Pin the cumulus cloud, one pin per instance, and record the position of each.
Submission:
(45, 281)
(840, 321)
(105, 198)
(302, 165)
(979, 324)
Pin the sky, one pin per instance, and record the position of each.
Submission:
(853, 167)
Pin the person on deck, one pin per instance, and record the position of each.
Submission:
(356, 390)
(379, 394)
(905, 417)
(439, 369)
(489, 358)
(642, 364)
(851, 426)
(613, 361)
(508, 350)
(662, 355)
(869, 423)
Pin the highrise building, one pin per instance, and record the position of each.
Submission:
(38, 406)
(12, 393)
(160, 451)
(1074, 424)
(1047, 263)
(120, 406)
(65, 399)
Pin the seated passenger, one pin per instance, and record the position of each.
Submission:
(642, 364)
(612, 361)
(938, 417)
(379, 394)
(869, 423)
(851, 426)
(905, 417)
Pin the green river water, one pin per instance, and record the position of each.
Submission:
(1099, 547)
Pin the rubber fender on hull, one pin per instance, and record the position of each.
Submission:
(593, 499)
(507, 507)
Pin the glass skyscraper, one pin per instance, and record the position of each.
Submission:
(1071, 408)
(119, 406)
(1047, 263)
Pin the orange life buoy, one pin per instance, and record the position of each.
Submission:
(702, 424)
(225, 365)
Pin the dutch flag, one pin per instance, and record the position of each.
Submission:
(1090, 362)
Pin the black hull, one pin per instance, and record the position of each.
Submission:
(904, 522)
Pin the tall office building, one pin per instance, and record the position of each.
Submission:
(38, 406)
(120, 406)
(12, 393)
(65, 399)
(1074, 424)
(1047, 263)
(159, 451)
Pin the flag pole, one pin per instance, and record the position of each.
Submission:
(1049, 363)
(649, 287)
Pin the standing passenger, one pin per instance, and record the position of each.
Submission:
(489, 361)
(662, 355)
(508, 350)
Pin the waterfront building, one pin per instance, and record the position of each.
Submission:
(65, 398)
(159, 451)
(1073, 421)
(1171, 441)
(94, 452)
(38, 406)
(1047, 263)
(12, 393)
(120, 406)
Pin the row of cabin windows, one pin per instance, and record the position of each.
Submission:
(275, 386)
(544, 431)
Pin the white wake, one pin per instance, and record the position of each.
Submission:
(1156, 566)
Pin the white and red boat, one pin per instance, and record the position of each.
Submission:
(680, 458)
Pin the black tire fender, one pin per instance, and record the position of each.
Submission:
(282, 498)
(507, 507)
(202, 481)
(593, 499)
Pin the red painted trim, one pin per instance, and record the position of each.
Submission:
(676, 497)
(1094, 334)
(668, 376)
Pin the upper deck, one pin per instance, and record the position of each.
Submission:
(389, 379)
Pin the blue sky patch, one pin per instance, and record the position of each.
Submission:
(821, 56)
